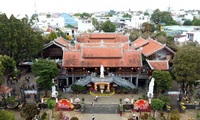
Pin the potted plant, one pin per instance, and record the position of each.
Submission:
(120, 100)
(144, 96)
(77, 107)
(82, 107)
(2, 105)
(121, 107)
(174, 115)
(60, 95)
(74, 118)
(11, 102)
(36, 101)
(83, 99)
(127, 108)
(145, 116)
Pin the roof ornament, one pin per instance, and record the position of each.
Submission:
(102, 42)
(134, 45)
(141, 48)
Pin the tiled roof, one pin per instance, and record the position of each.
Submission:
(102, 36)
(62, 41)
(139, 42)
(152, 47)
(102, 52)
(5, 89)
(129, 59)
(158, 64)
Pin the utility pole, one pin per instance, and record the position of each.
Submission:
(35, 13)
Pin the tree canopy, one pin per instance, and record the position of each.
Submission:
(186, 64)
(146, 13)
(108, 26)
(159, 16)
(84, 14)
(62, 34)
(29, 111)
(18, 40)
(157, 104)
(7, 66)
(163, 80)
(188, 22)
(97, 25)
(52, 35)
(173, 22)
(6, 115)
(196, 22)
(127, 15)
(46, 70)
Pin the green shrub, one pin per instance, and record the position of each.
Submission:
(74, 118)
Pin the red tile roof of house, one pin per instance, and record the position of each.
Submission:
(129, 59)
(5, 90)
(102, 52)
(62, 41)
(139, 42)
(158, 64)
(152, 47)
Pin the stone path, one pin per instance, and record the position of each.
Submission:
(101, 109)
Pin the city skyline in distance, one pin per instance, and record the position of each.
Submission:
(90, 6)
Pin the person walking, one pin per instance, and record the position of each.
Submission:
(93, 117)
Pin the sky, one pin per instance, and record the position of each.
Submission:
(74, 6)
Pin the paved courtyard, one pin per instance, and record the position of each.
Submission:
(103, 109)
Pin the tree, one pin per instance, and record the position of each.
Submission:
(188, 22)
(46, 70)
(166, 16)
(7, 66)
(196, 22)
(157, 104)
(156, 16)
(173, 22)
(52, 35)
(78, 14)
(29, 111)
(51, 104)
(159, 16)
(86, 14)
(186, 64)
(127, 15)
(6, 115)
(146, 13)
(62, 34)
(18, 40)
(108, 26)
(45, 39)
(164, 98)
(163, 80)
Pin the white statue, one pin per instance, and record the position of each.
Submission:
(102, 71)
(151, 86)
(54, 92)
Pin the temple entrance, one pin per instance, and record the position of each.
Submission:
(142, 83)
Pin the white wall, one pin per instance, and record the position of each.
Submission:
(137, 21)
(44, 22)
(84, 25)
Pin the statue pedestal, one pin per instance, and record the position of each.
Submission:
(101, 91)
(102, 76)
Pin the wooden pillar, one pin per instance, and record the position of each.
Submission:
(95, 86)
(136, 82)
(108, 88)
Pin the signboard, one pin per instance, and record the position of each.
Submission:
(141, 104)
(64, 103)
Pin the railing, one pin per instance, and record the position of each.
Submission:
(78, 73)
(123, 82)
(125, 73)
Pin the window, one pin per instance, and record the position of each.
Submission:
(56, 23)
(140, 18)
(143, 18)
(190, 37)
(52, 20)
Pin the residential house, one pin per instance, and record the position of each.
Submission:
(85, 24)
(69, 20)
(137, 21)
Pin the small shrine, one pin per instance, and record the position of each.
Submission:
(142, 106)
(65, 105)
